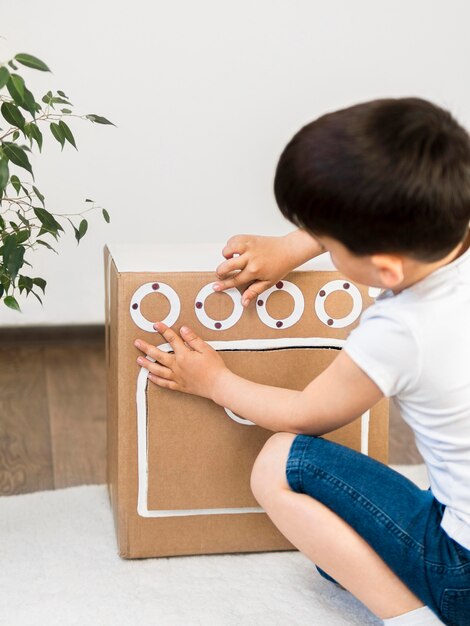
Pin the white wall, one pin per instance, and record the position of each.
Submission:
(205, 95)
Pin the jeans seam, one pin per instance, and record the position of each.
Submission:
(381, 516)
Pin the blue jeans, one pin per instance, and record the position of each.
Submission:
(397, 518)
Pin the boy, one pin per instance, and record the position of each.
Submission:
(384, 186)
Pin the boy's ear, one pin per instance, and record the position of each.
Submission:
(389, 269)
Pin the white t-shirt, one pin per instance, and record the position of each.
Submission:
(415, 346)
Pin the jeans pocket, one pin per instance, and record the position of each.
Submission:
(455, 607)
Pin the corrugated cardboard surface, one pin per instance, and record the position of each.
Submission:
(199, 459)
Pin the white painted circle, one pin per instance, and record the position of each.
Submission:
(282, 285)
(237, 418)
(154, 287)
(324, 292)
(207, 321)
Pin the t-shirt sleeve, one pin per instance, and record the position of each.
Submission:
(386, 350)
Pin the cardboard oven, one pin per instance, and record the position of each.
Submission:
(179, 466)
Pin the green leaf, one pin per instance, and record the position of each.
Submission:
(16, 87)
(83, 228)
(4, 279)
(11, 64)
(76, 232)
(17, 155)
(66, 110)
(15, 181)
(12, 114)
(3, 175)
(4, 76)
(2, 290)
(36, 134)
(105, 215)
(56, 100)
(35, 294)
(25, 282)
(67, 133)
(23, 219)
(88, 200)
(98, 119)
(23, 235)
(15, 261)
(58, 133)
(48, 221)
(9, 245)
(44, 243)
(29, 61)
(40, 282)
(38, 194)
(61, 93)
(15, 135)
(29, 103)
(12, 303)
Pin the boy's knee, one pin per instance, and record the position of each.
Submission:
(269, 468)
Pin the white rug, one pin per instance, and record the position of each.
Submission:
(59, 566)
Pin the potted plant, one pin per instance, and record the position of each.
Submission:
(24, 219)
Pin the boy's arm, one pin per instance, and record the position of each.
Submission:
(339, 395)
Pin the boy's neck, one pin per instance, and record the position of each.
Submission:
(417, 271)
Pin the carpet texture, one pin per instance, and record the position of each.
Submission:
(59, 566)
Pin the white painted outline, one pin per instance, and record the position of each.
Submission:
(373, 292)
(290, 320)
(239, 345)
(330, 287)
(210, 323)
(144, 290)
(238, 419)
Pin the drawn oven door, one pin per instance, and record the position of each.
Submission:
(195, 457)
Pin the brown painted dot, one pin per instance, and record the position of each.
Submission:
(155, 286)
(198, 305)
(322, 293)
(218, 325)
(279, 324)
(280, 284)
(260, 303)
(346, 285)
(330, 322)
(135, 305)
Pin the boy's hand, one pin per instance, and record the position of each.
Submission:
(263, 261)
(194, 367)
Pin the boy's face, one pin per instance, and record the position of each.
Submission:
(359, 269)
(387, 271)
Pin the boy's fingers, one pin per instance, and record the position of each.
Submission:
(153, 351)
(236, 263)
(192, 339)
(173, 339)
(160, 370)
(234, 246)
(254, 291)
(242, 278)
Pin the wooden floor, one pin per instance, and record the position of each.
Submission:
(53, 410)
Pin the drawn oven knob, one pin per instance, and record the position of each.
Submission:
(210, 323)
(345, 287)
(154, 287)
(290, 320)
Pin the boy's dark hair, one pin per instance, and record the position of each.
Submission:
(388, 175)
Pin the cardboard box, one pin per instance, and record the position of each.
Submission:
(179, 465)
